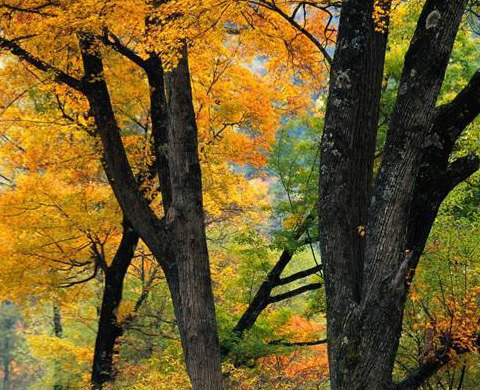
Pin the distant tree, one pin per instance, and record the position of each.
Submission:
(9, 341)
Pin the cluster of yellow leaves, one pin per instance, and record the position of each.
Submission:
(63, 353)
(55, 203)
(165, 373)
(240, 97)
(388, 13)
(381, 14)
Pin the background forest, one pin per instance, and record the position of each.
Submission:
(76, 280)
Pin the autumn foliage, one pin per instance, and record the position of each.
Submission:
(259, 72)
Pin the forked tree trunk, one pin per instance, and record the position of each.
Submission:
(178, 241)
(366, 276)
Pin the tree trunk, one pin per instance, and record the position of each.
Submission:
(346, 171)
(109, 330)
(6, 372)
(185, 222)
(178, 241)
(366, 275)
(58, 332)
(175, 134)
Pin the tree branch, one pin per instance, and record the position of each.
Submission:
(440, 358)
(59, 75)
(111, 40)
(80, 281)
(460, 170)
(298, 343)
(119, 172)
(291, 20)
(297, 291)
(298, 275)
(261, 299)
(452, 118)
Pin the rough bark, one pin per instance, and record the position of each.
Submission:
(185, 222)
(385, 274)
(437, 176)
(184, 253)
(366, 278)
(346, 170)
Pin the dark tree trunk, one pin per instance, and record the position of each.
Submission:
(185, 222)
(57, 322)
(178, 241)
(175, 142)
(346, 170)
(160, 118)
(366, 277)
(58, 332)
(109, 330)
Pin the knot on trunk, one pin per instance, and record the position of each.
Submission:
(171, 216)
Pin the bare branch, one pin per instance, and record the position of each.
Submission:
(291, 20)
(297, 291)
(299, 275)
(298, 343)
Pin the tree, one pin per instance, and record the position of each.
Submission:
(58, 332)
(177, 239)
(372, 235)
(8, 329)
(10, 344)
(186, 263)
(294, 163)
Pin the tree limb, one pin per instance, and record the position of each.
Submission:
(59, 75)
(430, 367)
(291, 20)
(298, 343)
(460, 170)
(297, 291)
(298, 275)
(452, 118)
(111, 40)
